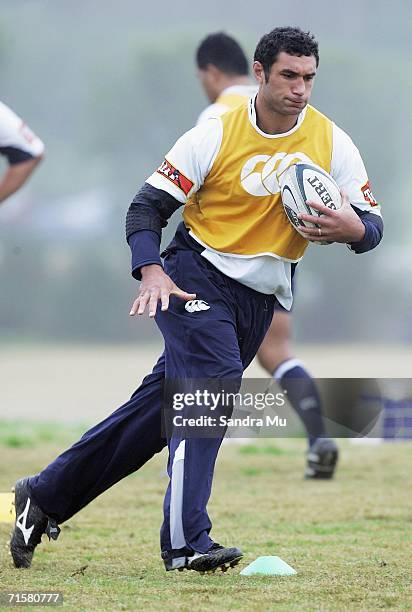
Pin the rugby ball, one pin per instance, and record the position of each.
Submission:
(301, 183)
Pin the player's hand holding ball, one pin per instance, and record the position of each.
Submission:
(316, 207)
(341, 225)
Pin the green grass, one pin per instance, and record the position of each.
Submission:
(17, 434)
(348, 539)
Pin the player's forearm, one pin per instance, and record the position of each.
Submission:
(15, 176)
(144, 246)
(147, 215)
(373, 232)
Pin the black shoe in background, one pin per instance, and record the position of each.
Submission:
(322, 458)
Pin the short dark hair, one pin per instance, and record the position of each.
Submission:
(290, 40)
(224, 52)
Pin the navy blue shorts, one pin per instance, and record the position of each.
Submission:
(226, 324)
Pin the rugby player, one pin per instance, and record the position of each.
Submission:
(22, 149)
(213, 295)
(223, 71)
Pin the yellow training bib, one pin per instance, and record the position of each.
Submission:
(238, 209)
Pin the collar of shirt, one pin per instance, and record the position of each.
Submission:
(253, 121)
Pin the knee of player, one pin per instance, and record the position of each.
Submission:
(221, 369)
(274, 347)
(213, 355)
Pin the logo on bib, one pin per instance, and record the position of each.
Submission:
(196, 306)
(175, 176)
(259, 175)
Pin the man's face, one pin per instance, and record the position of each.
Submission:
(290, 82)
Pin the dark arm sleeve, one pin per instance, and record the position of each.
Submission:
(373, 232)
(15, 155)
(147, 215)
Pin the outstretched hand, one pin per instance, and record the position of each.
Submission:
(342, 225)
(156, 285)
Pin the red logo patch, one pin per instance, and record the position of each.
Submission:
(368, 195)
(175, 176)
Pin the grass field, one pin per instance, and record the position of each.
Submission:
(349, 539)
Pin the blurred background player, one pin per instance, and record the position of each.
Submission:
(21, 147)
(223, 71)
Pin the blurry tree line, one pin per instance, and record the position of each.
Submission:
(109, 98)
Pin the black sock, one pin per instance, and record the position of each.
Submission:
(303, 396)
